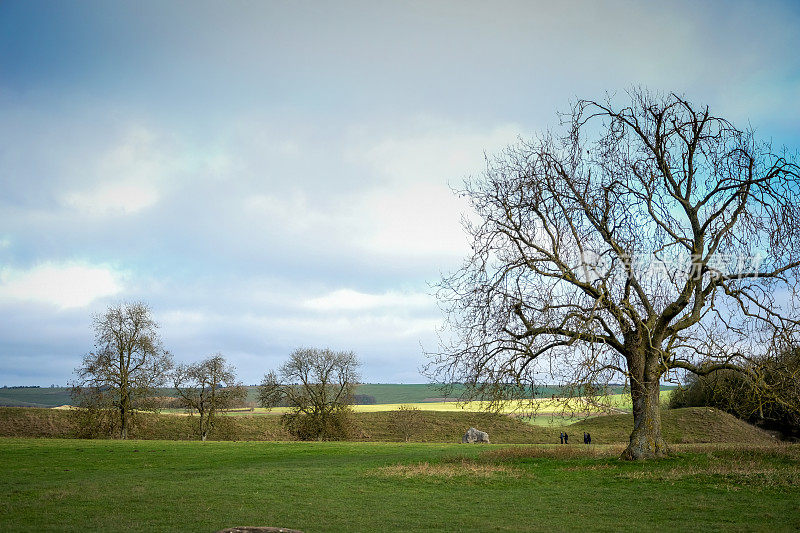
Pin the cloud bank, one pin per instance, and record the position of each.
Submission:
(268, 176)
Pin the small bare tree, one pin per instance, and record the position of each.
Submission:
(127, 366)
(650, 240)
(318, 386)
(208, 387)
(406, 420)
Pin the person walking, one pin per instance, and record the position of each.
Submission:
(561, 437)
(566, 438)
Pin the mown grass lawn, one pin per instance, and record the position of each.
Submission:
(70, 485)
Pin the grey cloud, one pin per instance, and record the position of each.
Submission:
(295, 150)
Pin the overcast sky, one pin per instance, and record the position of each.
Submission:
(269, 175)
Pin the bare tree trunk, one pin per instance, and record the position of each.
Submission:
(210, 421)
(203, 424)
(207, 427)
(123, 418)
(646, 440)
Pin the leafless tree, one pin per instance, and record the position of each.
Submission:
(650, 239)
(318, 386)
(406, 420)
(208, 387)
(128, 363)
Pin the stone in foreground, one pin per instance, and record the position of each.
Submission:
(475, 435)
(258, 529)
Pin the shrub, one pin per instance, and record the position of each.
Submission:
(337, 425)
(772, 404)
(406, 419)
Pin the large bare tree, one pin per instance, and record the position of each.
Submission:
(127, 365)
(649, 239)
(208, 387)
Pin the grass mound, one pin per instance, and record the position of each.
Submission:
(436, 426)
(376, 427)
(34, 422)
(690, 425)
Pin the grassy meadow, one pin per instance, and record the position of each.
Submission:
(104, 485)
(723, 475)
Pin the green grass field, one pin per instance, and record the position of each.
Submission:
(394, 393)
(543, 406)
(382, 392)
(74, 485)
(34, 397)
(725, 475)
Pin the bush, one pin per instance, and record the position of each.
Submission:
(406, 419)
(338, 425)
(95, 416)
(774, 404)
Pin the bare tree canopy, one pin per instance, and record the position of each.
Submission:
(208, 387)
(650, 239)
(128, 363)
(318, 385)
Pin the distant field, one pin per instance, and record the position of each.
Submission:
(34, 397)
(416, 393)
(540, 408)
(399, 393)
(75, 485)
(385, 394)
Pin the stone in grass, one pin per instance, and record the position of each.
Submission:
(475, 435)
(258, 529)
